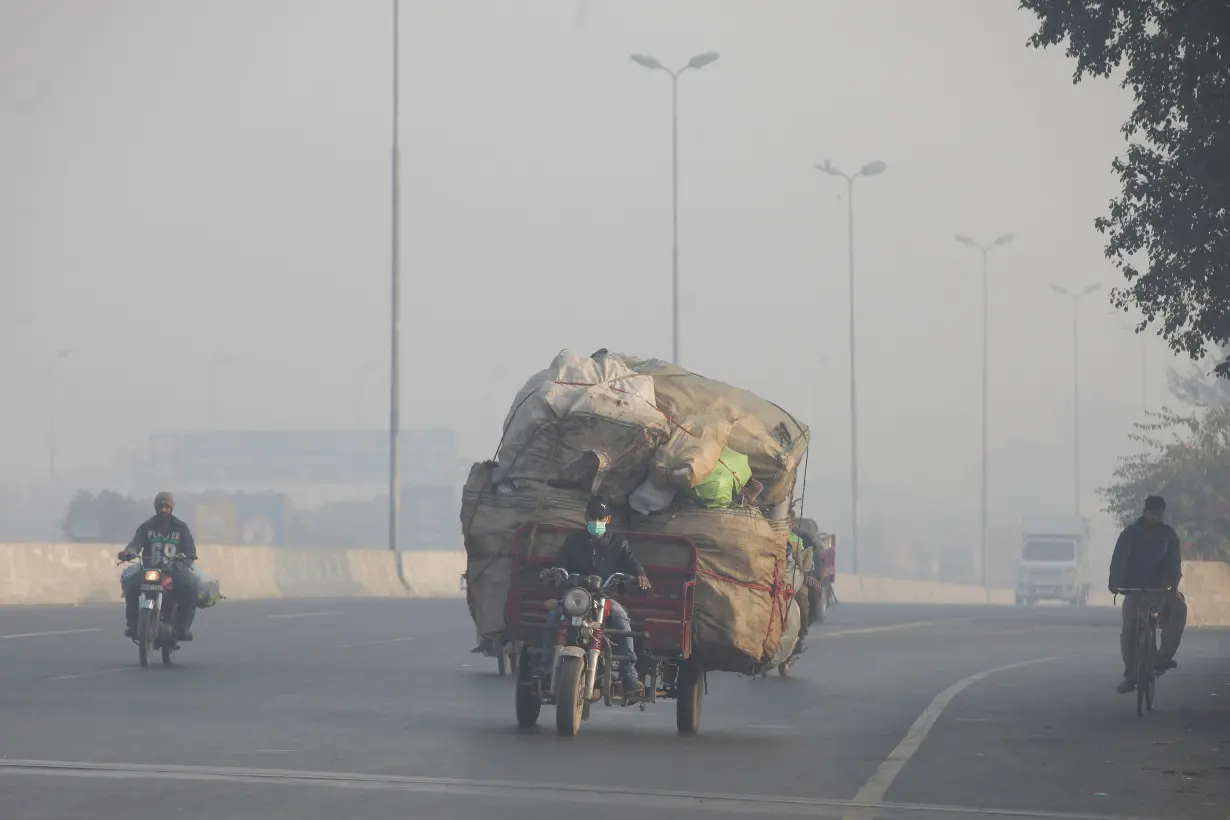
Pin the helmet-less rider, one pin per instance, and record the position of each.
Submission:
(597, 551)
(165, 534)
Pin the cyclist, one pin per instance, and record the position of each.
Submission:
(1147, 557)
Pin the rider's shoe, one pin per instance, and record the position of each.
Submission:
(184, 637)
(633, 686)
(130, 632)
(1125, 686)
(1167, 664)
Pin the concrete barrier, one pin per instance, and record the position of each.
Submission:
(87, 574)
(873, 590)
(1206, 585)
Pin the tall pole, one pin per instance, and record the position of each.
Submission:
(652, 63)
(854, 542)
(675, 217)
(984, 513)
(1075, 296)
(395, 318)
(870, 169)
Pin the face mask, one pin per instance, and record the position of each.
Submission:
(596, 527)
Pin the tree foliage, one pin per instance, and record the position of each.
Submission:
(1187, 462)
(1198, 387)
(1174, 207)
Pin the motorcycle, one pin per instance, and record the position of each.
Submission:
(583, 656)
(156, 608)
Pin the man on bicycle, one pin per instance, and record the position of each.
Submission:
(1147, 557)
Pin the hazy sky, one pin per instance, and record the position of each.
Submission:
(182, 181)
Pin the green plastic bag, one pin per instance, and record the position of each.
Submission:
(727, 480)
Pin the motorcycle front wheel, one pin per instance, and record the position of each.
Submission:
(147, 628)
(569, 697)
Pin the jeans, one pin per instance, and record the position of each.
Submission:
(618, 619)
(1171, 624)
(183, 588)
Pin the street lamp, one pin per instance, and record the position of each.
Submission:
(1075, 296)
(869, 170)
(52, 371)
(395, 310)
(985, 249)
(652, 63)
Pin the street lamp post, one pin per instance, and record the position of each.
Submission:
(985, 249)
(1075, 296)
(52, 382)
(652, 63)
(395, 311)
(869, 170)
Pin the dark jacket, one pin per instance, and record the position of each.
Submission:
(1146, 557)
(157, 532)
(603, 555)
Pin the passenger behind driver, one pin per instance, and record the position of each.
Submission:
(597, 551)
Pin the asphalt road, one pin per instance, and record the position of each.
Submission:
(317, 710)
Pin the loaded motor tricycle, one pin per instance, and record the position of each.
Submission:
(578, 668)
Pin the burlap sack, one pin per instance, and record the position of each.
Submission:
(694, 447)
(773, 440)
(739, 618)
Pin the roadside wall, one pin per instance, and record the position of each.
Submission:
(58, 574)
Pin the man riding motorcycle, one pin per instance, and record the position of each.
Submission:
(596, 551)
(166, 534)
(1147, 557)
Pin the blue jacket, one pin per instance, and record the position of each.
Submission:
(1146, 557)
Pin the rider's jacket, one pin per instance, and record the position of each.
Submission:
(159, 530)
(1146, 557)
(603, 555)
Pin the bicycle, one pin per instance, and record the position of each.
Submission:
(1147, 617)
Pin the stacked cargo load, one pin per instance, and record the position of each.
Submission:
(675, 454)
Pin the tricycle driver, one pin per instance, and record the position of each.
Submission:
(597, 551)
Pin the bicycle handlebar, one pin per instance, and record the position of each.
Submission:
(1143, 589)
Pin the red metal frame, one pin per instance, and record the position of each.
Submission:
(665, 613)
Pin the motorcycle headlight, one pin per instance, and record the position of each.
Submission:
(153, 575)
(577, 602)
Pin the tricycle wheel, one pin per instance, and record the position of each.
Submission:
(529, 702)
(822, 610)
(569, 697)
(514, 659)
(501, 660)
(691, 688)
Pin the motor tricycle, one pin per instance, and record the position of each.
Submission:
(578, 670)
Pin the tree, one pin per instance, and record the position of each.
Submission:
(1191, 471)
(1174, 208)
(1197, 387)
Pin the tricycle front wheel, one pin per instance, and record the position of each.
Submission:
(690, 689)
(569, 697)
(529, 702)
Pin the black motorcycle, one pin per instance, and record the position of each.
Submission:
(156, 607)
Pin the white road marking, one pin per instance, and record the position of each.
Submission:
(549, 792)
(881, 780)
(867, 630)
(372, 643)
(52, 632)
(95, 672)
(304, 614)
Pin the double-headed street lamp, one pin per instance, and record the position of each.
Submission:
(1075, 296)
(985, 249)
(652, 63)
(869, 170)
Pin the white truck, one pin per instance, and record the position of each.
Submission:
(1055, 560)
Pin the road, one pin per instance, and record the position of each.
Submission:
(321, 709)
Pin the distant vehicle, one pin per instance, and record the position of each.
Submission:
(1055, 560)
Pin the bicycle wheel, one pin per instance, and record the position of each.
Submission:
(1152, 690)
(1144, 670)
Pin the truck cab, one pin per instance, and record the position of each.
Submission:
(1054, 563)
